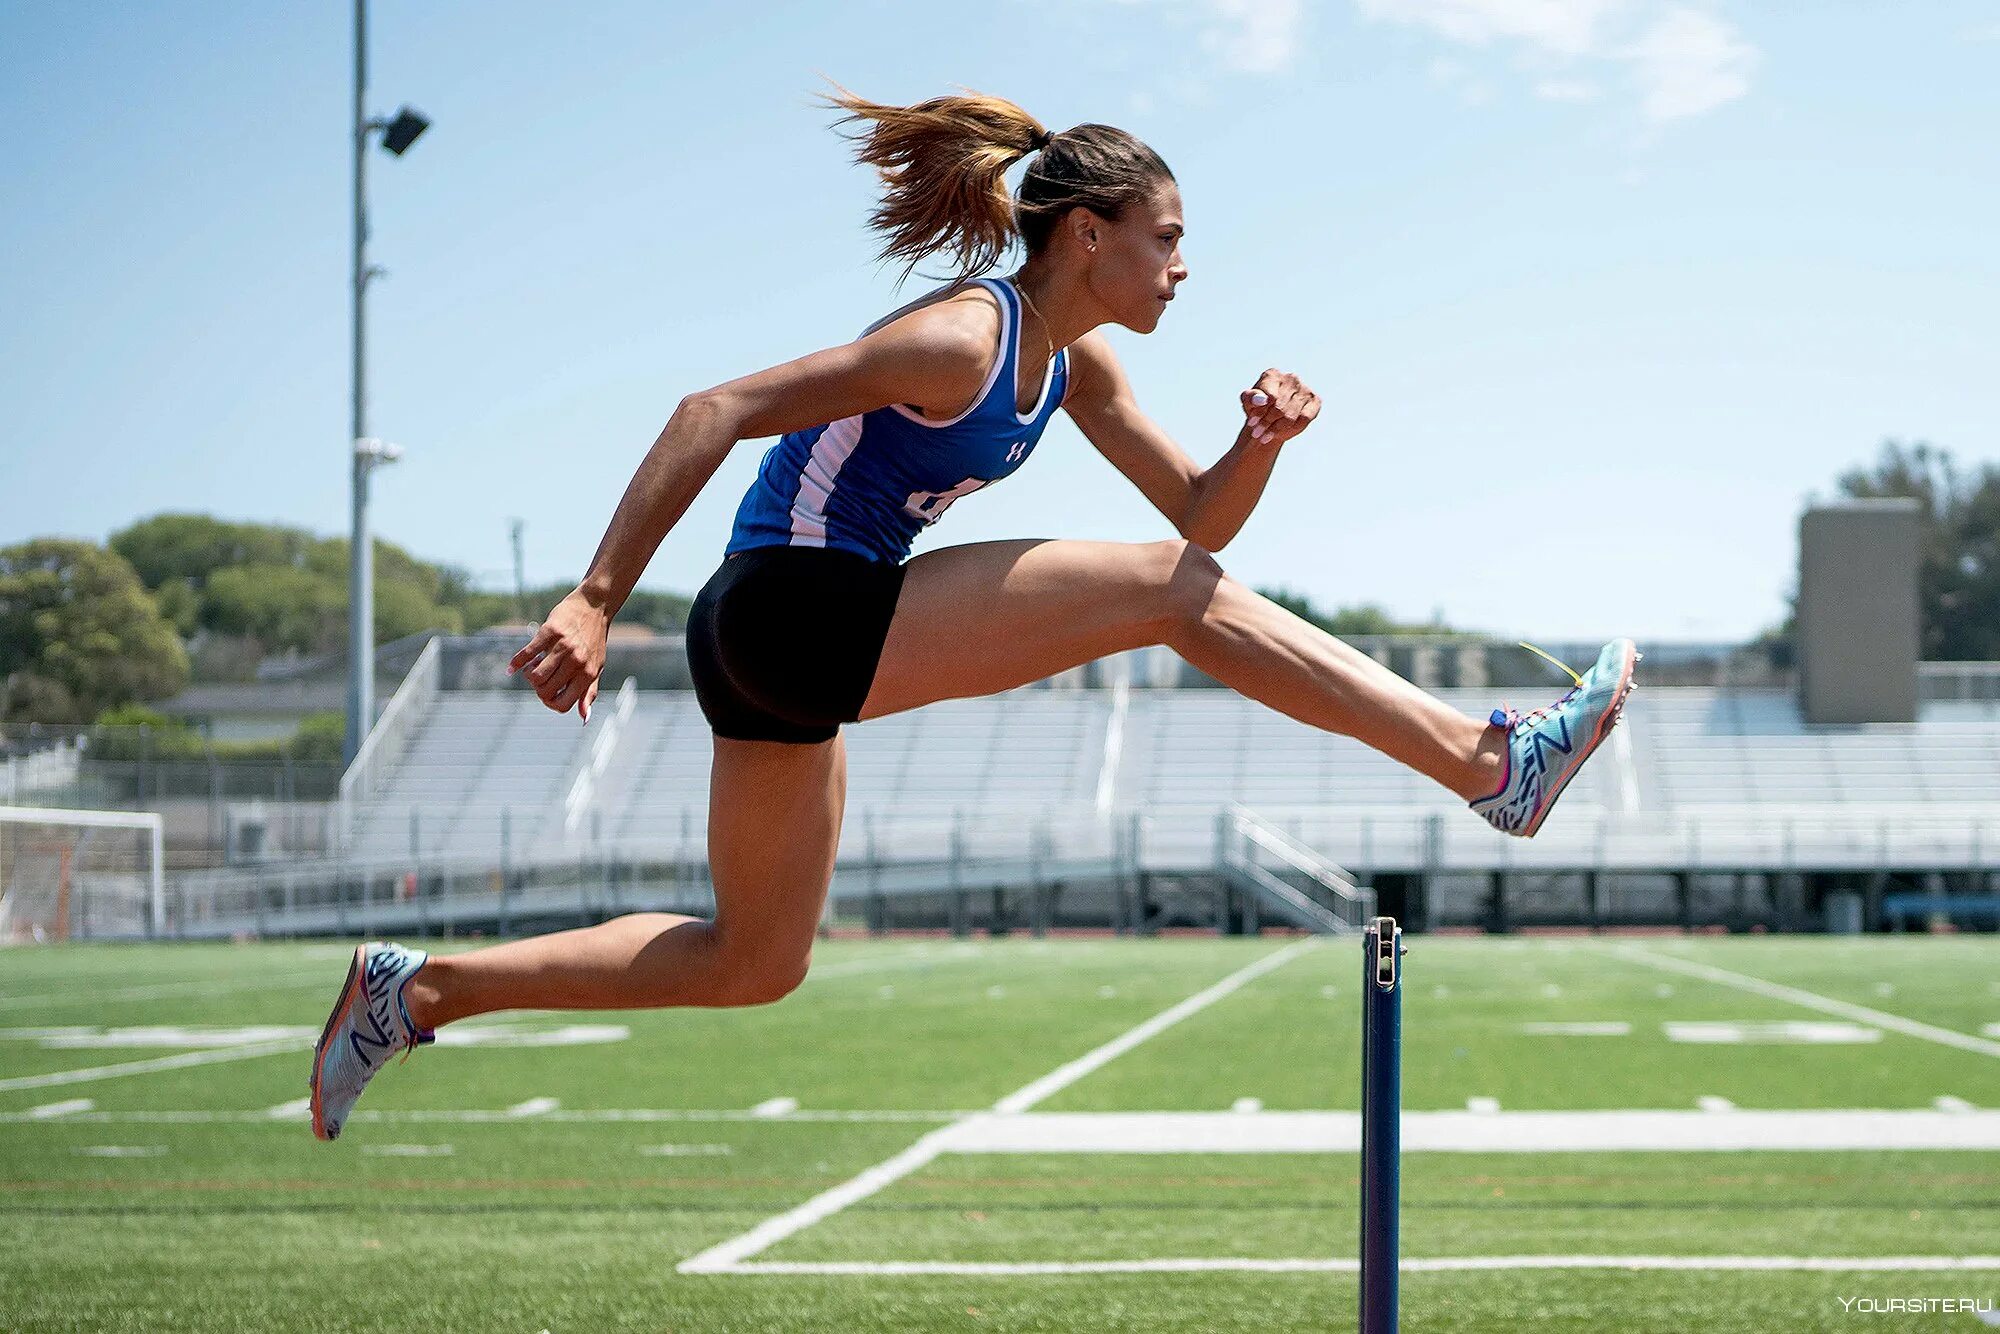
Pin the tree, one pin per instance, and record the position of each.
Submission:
(190, 547)
(1958, 576)
(1365, 619)
(78, 634)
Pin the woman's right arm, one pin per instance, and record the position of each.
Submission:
(933, 356)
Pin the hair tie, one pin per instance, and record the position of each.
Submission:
(1039, 140)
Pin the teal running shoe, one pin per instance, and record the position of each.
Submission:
(369, 1024)
(1546, 748)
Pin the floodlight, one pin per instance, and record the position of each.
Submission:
(400, 133)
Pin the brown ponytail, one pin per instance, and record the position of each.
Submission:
(943, 164)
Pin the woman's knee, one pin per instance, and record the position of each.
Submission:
(1183, 578)
(760, 976)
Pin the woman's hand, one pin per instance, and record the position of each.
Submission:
(566, 656)
(1278, 408)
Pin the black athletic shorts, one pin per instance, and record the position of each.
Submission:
(782, 642)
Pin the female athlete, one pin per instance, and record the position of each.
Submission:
(817, 616)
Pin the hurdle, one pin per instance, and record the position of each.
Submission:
(1381, 1113)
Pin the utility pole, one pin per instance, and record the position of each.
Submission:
(514, 528)
(366, 454)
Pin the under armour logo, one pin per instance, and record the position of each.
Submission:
(1015, 454)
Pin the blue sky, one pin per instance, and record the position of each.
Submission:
(1596, 292)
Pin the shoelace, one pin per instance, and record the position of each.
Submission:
(418, 1038)
(1508, 718)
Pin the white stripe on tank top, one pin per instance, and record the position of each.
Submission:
(816, 479)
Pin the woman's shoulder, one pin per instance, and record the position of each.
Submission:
(970, 305)
(956, 330)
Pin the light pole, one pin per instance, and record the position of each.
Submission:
(367, 454)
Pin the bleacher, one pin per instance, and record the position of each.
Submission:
(1701, 746)
(478, 753)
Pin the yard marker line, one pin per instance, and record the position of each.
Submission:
(1486, 1263)
(1709, 1102)
(1947, 1103)
(1811, 1000)
(1247, 1105)
(534, 1107)
(148, 1067)
(636, 1115)
(1238, 1133)
(1482, 1106)
(156, 991)
(771, 1107)
(864, 967)
(724, 1257)
(64, 1108)
(1061, 1078)
(287, 1110)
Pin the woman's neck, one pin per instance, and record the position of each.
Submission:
(1058, 308)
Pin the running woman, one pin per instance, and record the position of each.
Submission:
(817, 616)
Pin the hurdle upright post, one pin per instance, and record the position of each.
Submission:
(1381, 1121)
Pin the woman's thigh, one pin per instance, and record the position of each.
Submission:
(774, 812)
(989, 616)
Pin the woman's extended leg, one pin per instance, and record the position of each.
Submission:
(768, 895)
(988, 616)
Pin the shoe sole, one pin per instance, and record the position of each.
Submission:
(348, 991)
(1604, 726)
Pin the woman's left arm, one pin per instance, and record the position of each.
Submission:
(1206, 506)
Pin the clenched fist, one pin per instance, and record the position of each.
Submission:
(566, 656)
(1278, 407)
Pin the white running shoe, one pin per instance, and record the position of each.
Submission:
(369, 1023)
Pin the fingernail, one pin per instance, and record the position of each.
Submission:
(1260, 398)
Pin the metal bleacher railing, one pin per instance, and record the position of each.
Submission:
(469, 793)
(393, 731)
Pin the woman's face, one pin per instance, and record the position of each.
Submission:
(1137, 264)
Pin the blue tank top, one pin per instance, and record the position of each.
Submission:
(870, 483)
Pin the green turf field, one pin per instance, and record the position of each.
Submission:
(553, 1172)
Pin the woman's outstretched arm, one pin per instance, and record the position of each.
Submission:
(936, 355)
(697, 438)
(570, 642)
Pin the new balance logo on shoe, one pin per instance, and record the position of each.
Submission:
(375, 985)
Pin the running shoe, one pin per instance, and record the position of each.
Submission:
(1546, 748)
(369, 1024)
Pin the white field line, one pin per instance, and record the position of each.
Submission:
(1839, 1264)
(534, 1107)
(68, 1107)
(1734, 1131)
(164, 990)
(1062, 1077)
(1812, 1130)
(724, 1257)
(160, 991)
(869, 967)
(771, 1107)
(638, 1115)
(1811, 1000)
(148, 1067)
